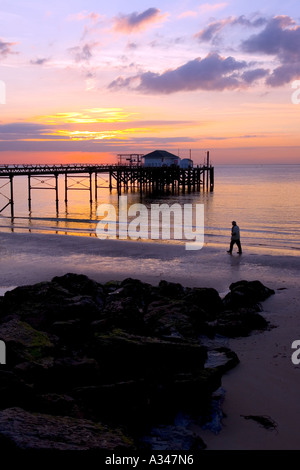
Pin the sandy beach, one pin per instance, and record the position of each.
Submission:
(264, 383)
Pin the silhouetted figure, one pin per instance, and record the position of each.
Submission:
(235, 238)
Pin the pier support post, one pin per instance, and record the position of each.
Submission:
(56, 191)
(189, 180)
(96, 186)
(211, 179)
(11, 196)
(29, 192)
(91, 189)
(66, 188)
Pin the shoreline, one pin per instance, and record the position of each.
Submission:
(264, 383)
(26, 257)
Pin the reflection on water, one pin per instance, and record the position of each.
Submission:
(263, 199)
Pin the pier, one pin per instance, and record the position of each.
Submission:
(85, 177)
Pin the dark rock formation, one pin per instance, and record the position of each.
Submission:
(247, 294)
(82, 356)
(20, 429)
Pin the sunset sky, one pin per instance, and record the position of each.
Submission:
(82, 81)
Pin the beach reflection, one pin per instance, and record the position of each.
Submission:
(263, 199)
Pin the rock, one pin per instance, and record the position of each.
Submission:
(123, 353)
(69, 332)
(174, 436)
(59, 374)
(239, 323)
(78, 284)
(171, 290)
(14, 391)
(124, 356)
(247, 294)
(36, 374)
(33, 303)
(47, 302)
(193, 387)
(125, 402)
(172, 319)
(207, 299)
(135, 288)
(123, 312)
(22, 430)
(57, 404)
(24, 342)
(221, 359)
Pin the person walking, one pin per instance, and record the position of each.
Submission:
(235, 238)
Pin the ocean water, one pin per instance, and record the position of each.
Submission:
(263, 199)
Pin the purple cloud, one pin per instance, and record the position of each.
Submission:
(18, 131)
(137, 21)
(285, 73)
(6, 48)
(211, 31)
(211, 73)
(280, 38)
(82, 54)
(250, 76)
(40, 61)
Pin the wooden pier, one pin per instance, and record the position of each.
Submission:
(80, 177)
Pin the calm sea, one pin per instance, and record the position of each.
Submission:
(263, 199)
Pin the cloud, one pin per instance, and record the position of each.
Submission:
(203, 9)
(250, 76)
(211, 73)
(137, 21)
(208, 7)
(82, 53)
(6, 48)
(284, 74)
(31, 136)
(23, 130)
(110, 145)
(280, 38)
(132, 45)
(83, 15)
(210, 32)
(40, 61)
(188, 14)
(93, 21)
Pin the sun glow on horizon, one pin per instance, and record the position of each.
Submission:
(88, 116)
